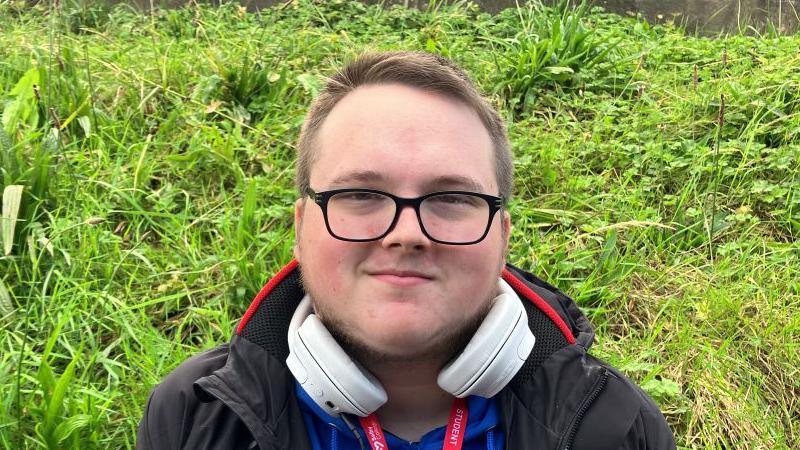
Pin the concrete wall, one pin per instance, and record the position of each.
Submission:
(706, 16)
(714, 15)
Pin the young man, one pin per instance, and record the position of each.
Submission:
(399, 324)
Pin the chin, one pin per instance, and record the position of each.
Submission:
(403, 351)
(406, 341)
(391, 344)
(405, 326)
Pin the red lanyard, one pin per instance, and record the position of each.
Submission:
(453, 435)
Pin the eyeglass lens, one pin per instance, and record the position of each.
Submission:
(452, 218)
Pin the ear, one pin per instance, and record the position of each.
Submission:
(506, 224)
(299, 209)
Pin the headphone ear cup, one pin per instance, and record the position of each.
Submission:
(330, 377)
(495, 353)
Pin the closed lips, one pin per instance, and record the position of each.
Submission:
(401, 273)
(401, 278)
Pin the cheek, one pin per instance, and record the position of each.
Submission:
(329, 264)
(485, 255)
(322, 265)
(480, 267)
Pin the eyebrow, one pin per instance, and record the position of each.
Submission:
(361, 176)
(457, 182)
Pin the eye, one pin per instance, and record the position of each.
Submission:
(455, 200)
(360, 197)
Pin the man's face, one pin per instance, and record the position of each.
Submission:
(404, 296)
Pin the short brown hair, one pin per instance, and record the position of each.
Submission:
(424, 71)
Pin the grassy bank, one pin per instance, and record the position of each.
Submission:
(658, 183)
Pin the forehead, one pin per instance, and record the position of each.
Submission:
(399, 137)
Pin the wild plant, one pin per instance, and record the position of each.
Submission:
(151, 160)
(552, 48)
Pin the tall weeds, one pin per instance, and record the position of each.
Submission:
(154, 157)
(551, 50)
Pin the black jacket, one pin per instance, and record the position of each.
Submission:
(241, 395)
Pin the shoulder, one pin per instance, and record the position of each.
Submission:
(181, 379)
(173, 401)
(177, 388)
(623, 417)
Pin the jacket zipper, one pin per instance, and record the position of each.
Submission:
(599, 385)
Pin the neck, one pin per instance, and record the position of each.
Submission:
(416, 404)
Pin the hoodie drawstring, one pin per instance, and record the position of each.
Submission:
(334, 437)
(490, 439)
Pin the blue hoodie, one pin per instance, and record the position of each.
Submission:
(331, 433)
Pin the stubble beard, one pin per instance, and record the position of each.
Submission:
(440, 352)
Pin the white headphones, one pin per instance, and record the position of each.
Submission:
(339, 384)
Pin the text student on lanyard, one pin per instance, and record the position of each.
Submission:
(453, 436)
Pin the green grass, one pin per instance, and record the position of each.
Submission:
(156, 154)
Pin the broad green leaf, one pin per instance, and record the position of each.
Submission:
(662, 388)
(12, 197)
(558, 70)
(66, 428)
(51, 340)
(56, 403)
(32, 252)
(44, 432)
(636, 366)
(86, 125)
(45, 373)
(609, 249)
(5, 143)
(21, 108)
(6, 305)
(47, 379)
(26, 83)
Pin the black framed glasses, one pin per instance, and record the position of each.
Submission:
(446, 217)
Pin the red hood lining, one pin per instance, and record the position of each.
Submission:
(510, 278)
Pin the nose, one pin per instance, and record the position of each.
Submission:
(407, 232)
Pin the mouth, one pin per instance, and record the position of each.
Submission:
(401, 278)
